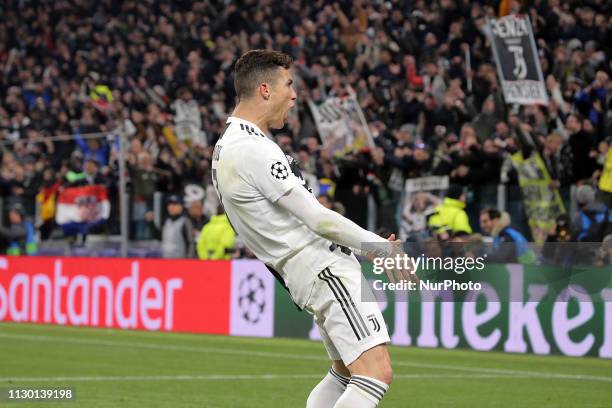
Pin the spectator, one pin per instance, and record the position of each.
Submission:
(509, 245)
(93, 149)
(91, 173)
(20, 237)
(144, 178)
(46, 198)
(557, 161)
(594, 219)
(555, 251)
(485, 123)
(176, 234)
(195, 212)
(449, 218)
(187, 118)
(604, 257)
(557, 157)
(581, 144)
(605, 181)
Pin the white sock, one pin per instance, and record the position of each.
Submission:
(362, 392)
(327, 392)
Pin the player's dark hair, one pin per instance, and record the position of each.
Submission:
(493, 213)
(256, 67)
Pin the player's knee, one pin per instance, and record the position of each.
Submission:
(375, 363)
(386, 373)
(385, 370)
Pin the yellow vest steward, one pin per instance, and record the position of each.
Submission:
(605, 182)
(450, 216)
(216, 239)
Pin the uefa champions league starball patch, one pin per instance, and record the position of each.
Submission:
(279, 171)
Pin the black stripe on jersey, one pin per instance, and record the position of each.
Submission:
(340, 300)
(250, 130)
(350, 299)
(227, 125)
(348, 306)
(245, 128)
(367, 388)
(280, 280)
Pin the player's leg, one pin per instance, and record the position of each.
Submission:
(330, 389)
(371, 375)
(333, 385)
(375, 363)
(358, 332)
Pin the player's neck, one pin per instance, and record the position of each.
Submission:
(249, 111)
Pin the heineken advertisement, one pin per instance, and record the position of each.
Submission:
(555, 313)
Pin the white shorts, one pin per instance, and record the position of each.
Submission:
(348, 325)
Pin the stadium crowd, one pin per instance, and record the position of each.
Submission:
(161, 72)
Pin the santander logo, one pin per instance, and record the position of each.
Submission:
(126, 300)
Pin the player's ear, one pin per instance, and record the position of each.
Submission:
(264, 90)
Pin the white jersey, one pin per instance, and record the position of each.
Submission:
(250, 173)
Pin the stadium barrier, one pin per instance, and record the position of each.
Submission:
(570, 316)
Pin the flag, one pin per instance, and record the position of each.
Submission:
(46, 199)
(516, 57)
(82, 205)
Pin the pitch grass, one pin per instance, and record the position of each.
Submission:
(110, 368)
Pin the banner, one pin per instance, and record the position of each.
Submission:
(341, 124)
(516, 57)
(570, 316)
(148, 294)
(422, 196)
(84, 204)
(542, 205)
(252, 299)
(188, 121)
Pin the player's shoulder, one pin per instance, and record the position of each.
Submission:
(248, 136)
(238, 127)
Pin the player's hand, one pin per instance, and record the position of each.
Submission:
(401, 272)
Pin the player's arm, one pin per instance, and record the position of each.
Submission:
(333, 226)
(327, 223)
